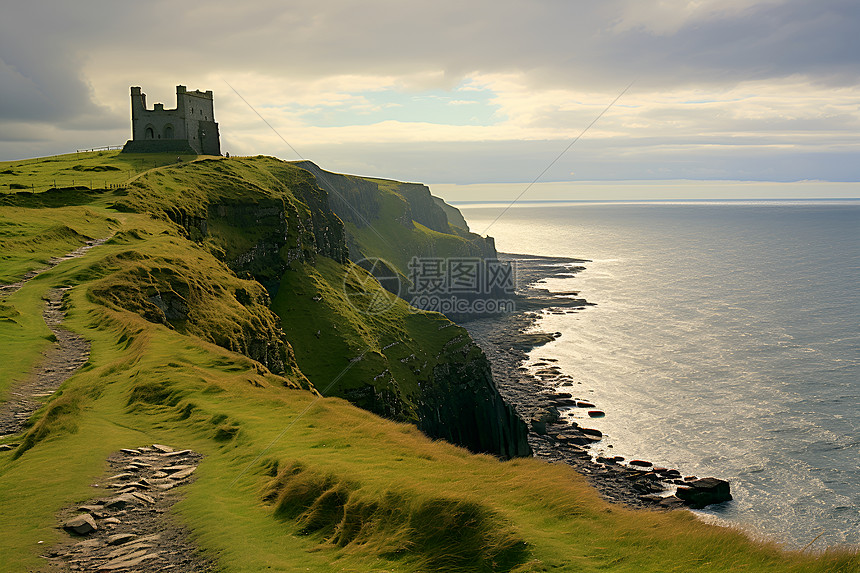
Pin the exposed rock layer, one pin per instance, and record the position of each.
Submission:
(263, 226)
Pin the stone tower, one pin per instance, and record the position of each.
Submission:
(190, 128)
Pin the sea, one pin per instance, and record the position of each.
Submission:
(725, 342)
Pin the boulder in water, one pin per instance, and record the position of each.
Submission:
(701, 492)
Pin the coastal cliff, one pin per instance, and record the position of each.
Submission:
(292, 228)
(128, 316)
(463, 389)
(394, 228)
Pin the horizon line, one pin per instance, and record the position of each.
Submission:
(672, 200)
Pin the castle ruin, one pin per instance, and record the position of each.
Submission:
(188, 129)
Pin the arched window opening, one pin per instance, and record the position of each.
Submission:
(149, 133)
(168, 131)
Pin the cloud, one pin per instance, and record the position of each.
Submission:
(718, 82)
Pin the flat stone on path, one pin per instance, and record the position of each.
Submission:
(176, 454)
(120, 501)
(128, 561)
(171, 469)
(88, 544)
(183, 474)
(120, 538)
(92, 509)
(143, 497)
(141, 484)
(161, 448)
(82, 525)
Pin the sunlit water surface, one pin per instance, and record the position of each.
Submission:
(725, 342)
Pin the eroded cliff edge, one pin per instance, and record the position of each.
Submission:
(293, 229)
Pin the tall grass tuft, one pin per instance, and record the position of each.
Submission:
(432, 533)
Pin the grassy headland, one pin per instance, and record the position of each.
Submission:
(187, 351)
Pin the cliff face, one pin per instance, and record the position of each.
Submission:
(354, 199)
(281, 234)
(463, 390)
(402, 224)
(272, 224)
(422, 207)
(457, 401)
(455, 217)
(194, 293)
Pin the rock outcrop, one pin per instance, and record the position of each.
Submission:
(354, 199)
(705, 491)
(463, 406)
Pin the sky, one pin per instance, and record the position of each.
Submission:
(458, 93)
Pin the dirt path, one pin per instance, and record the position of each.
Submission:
(131, 529)
(6, 290)
(60, 361)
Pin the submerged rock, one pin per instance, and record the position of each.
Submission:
(591, 432)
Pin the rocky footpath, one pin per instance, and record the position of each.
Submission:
(542, 393)
(59, 363)
(6, 290)
(131, 528)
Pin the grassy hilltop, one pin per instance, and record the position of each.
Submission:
(220, 312)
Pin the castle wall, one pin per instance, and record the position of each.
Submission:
(190, 125)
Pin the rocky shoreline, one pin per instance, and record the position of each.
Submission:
(541, 393)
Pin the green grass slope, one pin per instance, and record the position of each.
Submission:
(395, 221)
(93, 170)
(269, 220)
(292, 481)
(391, 350)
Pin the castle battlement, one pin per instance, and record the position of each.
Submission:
(188, 128)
